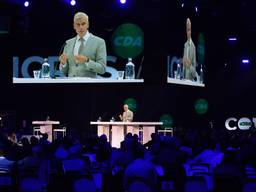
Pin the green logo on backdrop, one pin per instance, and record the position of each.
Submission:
(128, 40)
(167, 120)
(201, 106)
(131, 102)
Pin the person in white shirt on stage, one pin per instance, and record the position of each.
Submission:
(127, 114)
(84, 55)
(189, 55)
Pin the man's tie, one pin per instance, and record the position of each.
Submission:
(81, 46)
(188, 49)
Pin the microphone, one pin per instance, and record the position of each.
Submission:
(140, 68)
(103, 115)
(60, 52)
(62, 48)
(116, 117)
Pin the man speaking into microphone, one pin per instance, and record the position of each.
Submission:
(127, 114)
(84, 55)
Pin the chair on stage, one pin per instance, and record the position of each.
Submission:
(166, 131)
(36, 130)
(59, 131)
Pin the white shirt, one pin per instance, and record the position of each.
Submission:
(77, 45)
(78, 42)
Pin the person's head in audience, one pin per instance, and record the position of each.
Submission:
(155, 137)
(45, 136)
(103, 138)
(12, 137)
(128, 136)
(136, 137)
(139, 153)
(152, 136)
(44, 139)
(34, 141)
(25, 142)
(230, 157)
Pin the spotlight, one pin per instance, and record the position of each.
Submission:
(73, 2)
(183, 4)
(122, 1)
(245, 61)
(26, 3)
(196, 9)
(232, 39)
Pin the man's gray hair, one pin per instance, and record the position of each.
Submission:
(80, 15)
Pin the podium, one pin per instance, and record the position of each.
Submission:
(116, 131)
(46, 127)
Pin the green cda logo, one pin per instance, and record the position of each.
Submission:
(167, 120)
(201, 106)
(128, 40)
(131, 102)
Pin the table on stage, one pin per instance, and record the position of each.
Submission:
(116, 131)
(74, 80)
(46, 127)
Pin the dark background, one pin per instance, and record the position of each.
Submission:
(42, 28)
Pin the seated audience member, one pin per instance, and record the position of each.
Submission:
(140, 170)
(210, 155)
(103, 151)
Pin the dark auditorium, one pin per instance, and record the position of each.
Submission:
(127, 96)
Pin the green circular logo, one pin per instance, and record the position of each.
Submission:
(128, 40)
(167, 120)
(132, 104)
(201, 106)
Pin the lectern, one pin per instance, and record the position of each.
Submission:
(46, 127)
(116, 131)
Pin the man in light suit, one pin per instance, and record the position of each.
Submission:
(189, 55)
(127, 114)
(84, 55)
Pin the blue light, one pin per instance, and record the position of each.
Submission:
(245, 61)
(26, 3)
(182, 5)
(122, 1)
(232, 39)
(73, 2)
(196, 8)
